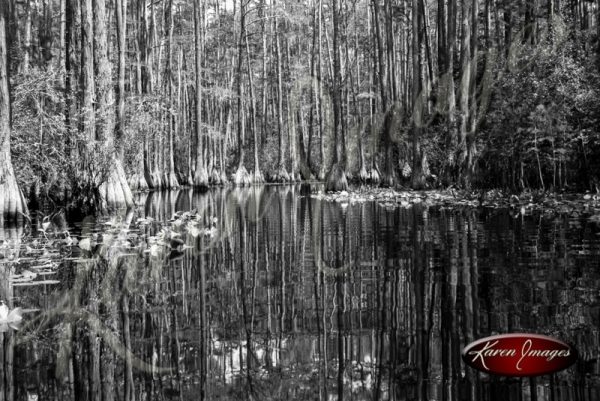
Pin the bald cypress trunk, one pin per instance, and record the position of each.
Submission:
(241, 176)
(321, 174)
(257, 176)
(169, 173)
(72, 73)
(469, 165)
(87, 71)
(465, 88)
(121, 13)
(281, 175)
(448, 79)
(27, 37)
(200, 174)
(139, 180)
(336, 179)
(417, 179)
(12, 203)
(114, 190)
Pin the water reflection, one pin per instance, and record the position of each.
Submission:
(267, 293)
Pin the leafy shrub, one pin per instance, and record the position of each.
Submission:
(39, 132)
(53, 160)
(542, 127)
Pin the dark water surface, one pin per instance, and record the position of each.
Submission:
(266, 293)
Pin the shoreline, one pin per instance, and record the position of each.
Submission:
(527, 201)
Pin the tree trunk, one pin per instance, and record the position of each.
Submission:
(257, 176)
(418, 179)
(336, 179)
(241, 176)
(263, 28)
(448, 78)
(87, 73)
(380, 61)
(465, 82)
(27, 37)
(12, 203)
(281, 175)
(141, 179)
(145, 50)
(386, 108)
(200, 174)
(72, 73)
(114, 191)
(170, 178)
(307, 171)
(471, 136)
(121, 13)
(154, 63)
(320, 94)
(374, 176)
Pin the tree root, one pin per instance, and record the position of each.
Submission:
(336, 179)
(13, 207)
(157, 179)
(374, 177)
(280, 176)
(363, 176)
(137, 182)
(224, 179)
(115, 192)
(201, 177)
(257, 177)
(215, 177)
(241, 177)
(149, 178)
(170, 181)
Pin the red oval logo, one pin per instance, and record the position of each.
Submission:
(519, 354)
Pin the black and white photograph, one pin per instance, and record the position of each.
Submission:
(303, 200)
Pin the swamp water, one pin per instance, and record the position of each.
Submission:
(268, 293)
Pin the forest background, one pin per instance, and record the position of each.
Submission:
(102, 97)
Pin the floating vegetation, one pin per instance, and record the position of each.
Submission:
(575, 205)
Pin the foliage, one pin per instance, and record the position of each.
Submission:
(142, 119)
(40, 133)
(54, 160)
(542, 127)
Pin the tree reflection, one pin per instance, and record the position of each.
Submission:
(263, 292)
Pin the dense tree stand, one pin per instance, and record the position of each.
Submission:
(376, 92)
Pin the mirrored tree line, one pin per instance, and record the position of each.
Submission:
(280, 296)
